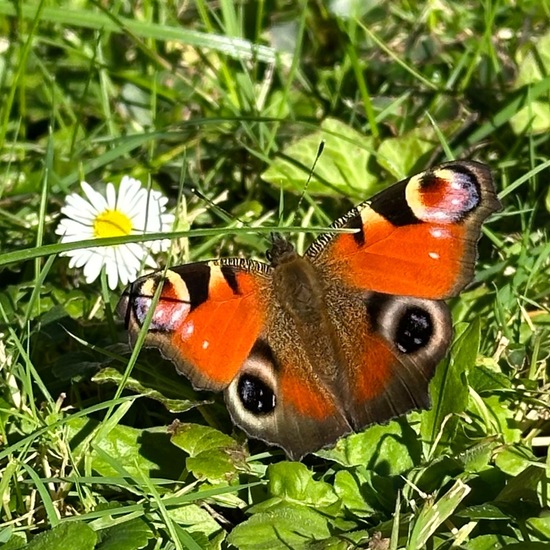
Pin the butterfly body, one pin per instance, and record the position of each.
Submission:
(309, 348)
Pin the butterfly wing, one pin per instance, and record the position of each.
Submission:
(207, 317)
(415, 238)
(361, 333)
(415, 245)
(222, 326)
(390, 346)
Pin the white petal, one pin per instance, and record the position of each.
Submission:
(110, 193)
(71, 230)
(92, 268)
(129, 192)
(79, 257)
(80, 215)
(150, 262)
(95, 198)
(112, 276)
(75, 203)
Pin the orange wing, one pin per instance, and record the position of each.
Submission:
(416, 238)
(206, 320)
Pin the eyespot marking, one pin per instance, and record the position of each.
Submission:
(414, 330)
(445, 195)
(255, 395)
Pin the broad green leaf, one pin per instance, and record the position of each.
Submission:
(501, 419)
(389, 449)
(513, 459)
(432, 515)
(195, 439)
(293, 482)
(489, 542)
(353, 540)
(541, 525)
(405, 155)
(527, 546)
(194, 519)
(341, 169)
(534, 65)
(12, 541)
(292, 526)
(478, 457)
(347, 487)
(534, 118)
(487, 379)
(522, 488)
(111, 375)
(449, 389)
(129, 535)
(70, 534)
(213, 455)
(485, 511)
(216, 465)
(432, 475)
(127, 451)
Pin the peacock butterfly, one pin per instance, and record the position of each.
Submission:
(310, 348)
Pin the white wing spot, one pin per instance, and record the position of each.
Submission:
(433, 255)
(188, 330)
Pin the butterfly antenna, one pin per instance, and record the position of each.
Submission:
(222, 212)
(311, 172)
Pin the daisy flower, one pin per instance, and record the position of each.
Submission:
(131, 211)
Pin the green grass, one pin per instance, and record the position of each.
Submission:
(207, 98)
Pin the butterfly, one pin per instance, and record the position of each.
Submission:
(309, 348)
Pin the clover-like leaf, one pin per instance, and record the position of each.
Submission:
(341, 169)
(291, 526)
(70, 534)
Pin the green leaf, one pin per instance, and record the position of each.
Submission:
(527, 546)
(513, 459)
(70, 534)
(129, 535)
(127, 451)
(433, 515)
(293, 482)
(291, 526)
(213, 455)
(389, 449)
(194, 519)
(111, 375)
(485, 511)
(541, 525)
(195, 439)
(534, 65)
(405, 155)
(483, 379)
(10, 540)
(522, 488)
(341, 169)
(477, 458)
(348, 488)
(489, 542)
(449, 389)
(501, 419)
(534, 118)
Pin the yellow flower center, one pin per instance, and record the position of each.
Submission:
(112, 223)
